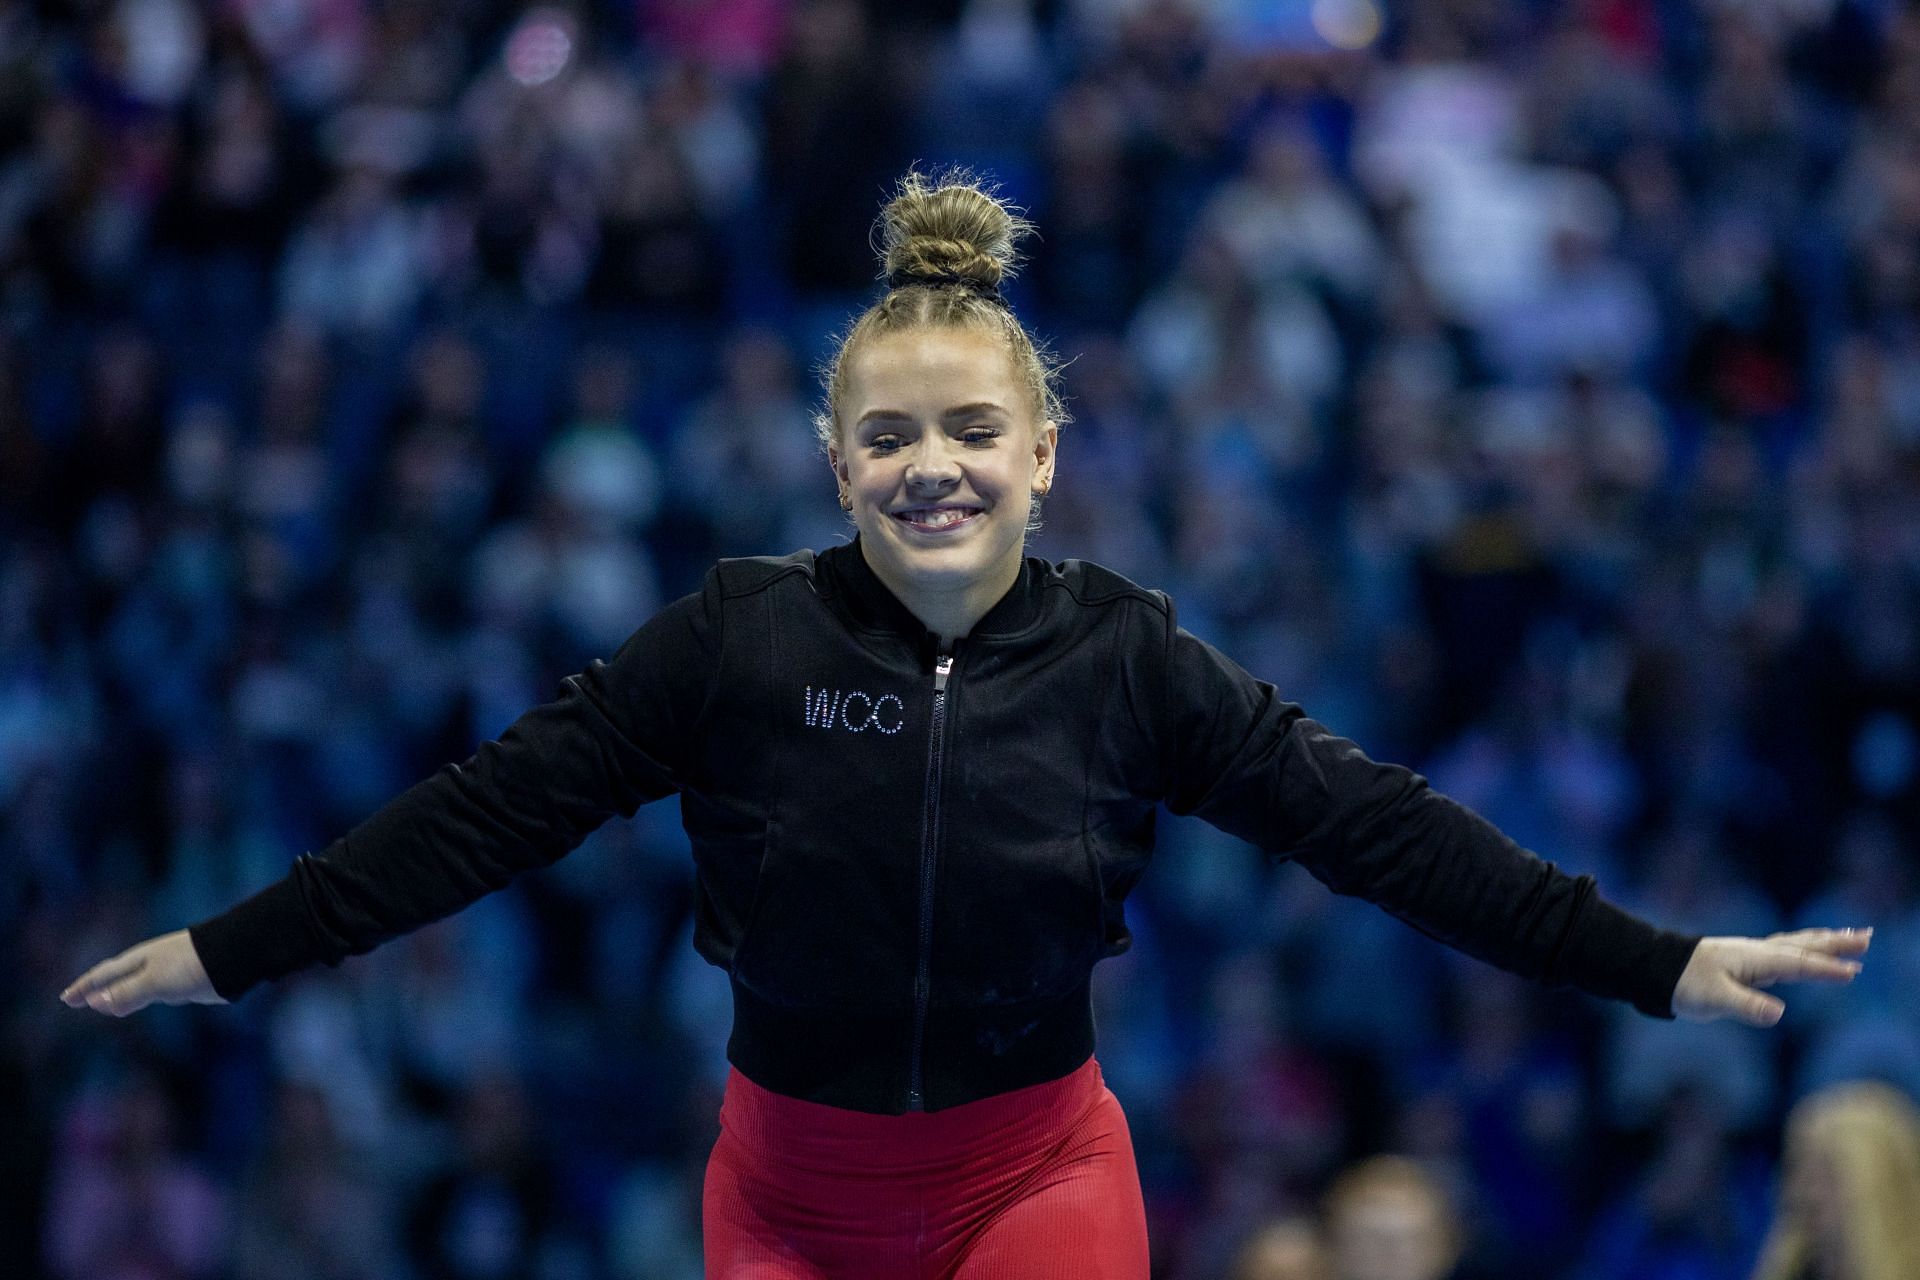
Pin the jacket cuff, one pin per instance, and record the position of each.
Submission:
(255, 940)
(1615, 954)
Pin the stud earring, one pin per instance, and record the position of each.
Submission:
(846, 502)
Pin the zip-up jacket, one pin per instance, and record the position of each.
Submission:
(908, 861)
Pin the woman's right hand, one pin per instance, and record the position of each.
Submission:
(165, 969)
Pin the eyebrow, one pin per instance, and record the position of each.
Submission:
(895, 415)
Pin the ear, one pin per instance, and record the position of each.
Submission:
(1045, 441)
(838, 464)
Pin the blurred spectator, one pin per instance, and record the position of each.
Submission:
(235, 189)
(1088, 266)
(1289, 223)
(1850, 1181)
(1287, 1249)
(440, 488)
(1261, 1113)
(833, 140)
(1697, 1210)
(655, 251)
(307, 1211)
(744, 463)
(119, 436)
(1387, 1218)
(1212, 321)
(126, 1202)
(355, 269)
(597, 465)
(1744, 357)
(493, 1209)
(1588, 312)
(572, 564)
(1497, 1111)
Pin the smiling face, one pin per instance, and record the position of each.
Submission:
(940, 455)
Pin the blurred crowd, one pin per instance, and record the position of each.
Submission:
(1529, 388)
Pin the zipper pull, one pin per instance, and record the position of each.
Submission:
(941, 666)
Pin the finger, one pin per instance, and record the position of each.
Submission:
(1756, 1008)
(1851, 942)
(101, 975)
(1783, 963)
(119, 998)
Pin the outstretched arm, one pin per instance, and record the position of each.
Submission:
(1256, 766)
(617, 737)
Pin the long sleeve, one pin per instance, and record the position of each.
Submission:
(1256, 766)
(618, 736)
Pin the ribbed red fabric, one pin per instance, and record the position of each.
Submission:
(1034, 1184)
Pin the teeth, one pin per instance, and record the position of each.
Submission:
(939, 518)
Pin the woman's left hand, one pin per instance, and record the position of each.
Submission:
(1721, 977)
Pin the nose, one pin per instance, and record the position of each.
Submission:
(932, 468)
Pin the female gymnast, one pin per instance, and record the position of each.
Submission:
(919, 772)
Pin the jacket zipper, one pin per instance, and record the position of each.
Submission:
(929, 837)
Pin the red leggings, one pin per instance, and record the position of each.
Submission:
(1035, 1184)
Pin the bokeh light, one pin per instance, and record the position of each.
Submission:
(1347, 24)
(540, 47)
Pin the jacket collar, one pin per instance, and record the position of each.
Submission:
(874, 607)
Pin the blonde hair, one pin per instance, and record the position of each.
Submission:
(1392, 1174)
(1869, 1133)
(952, 228)
(1281, 1249)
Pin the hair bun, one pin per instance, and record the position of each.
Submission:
(949, 228)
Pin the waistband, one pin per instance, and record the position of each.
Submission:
(995, 1130)
(859, 1062)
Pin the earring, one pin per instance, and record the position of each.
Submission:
(846, 502)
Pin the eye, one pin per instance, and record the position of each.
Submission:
(979, 435)
(885, 444)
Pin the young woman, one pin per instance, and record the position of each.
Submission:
(919, 772)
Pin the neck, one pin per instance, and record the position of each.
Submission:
(950, 613)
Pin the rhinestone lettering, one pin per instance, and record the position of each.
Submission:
(825, 708)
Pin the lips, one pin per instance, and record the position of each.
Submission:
(937, 519)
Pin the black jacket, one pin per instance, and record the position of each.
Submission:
(908, 863)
